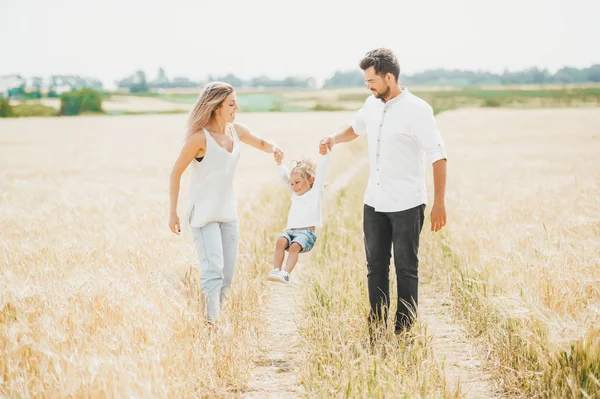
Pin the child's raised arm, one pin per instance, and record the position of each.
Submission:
(321, 172)
(284, 173)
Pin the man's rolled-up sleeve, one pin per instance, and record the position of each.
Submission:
(359, 123)
(428, 136)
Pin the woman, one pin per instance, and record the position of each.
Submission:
(212, 147)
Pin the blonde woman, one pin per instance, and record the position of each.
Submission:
(212, 150)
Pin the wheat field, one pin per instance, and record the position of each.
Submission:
(96, 297)
(99, 299)
(521, 254)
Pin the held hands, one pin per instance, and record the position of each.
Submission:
(325, 145)
(278, 154)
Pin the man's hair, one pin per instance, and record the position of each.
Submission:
(383, 60)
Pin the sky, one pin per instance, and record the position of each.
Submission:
(111, 39)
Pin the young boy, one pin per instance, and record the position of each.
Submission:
(307, 182)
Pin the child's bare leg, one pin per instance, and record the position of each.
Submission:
(292, 259)
(280, 247)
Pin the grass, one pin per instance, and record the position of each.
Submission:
(523, 358)
(473, 97)
(339, 359)
(161, 112)
(32, 109)
(284, 100)
(112, 318)
(97, 298)
(326, 107)
(96, 295)
(520, 256)
(440, 100)
(520, 260)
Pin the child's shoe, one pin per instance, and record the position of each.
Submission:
(279, 276)
(285, 277)
(273, 275)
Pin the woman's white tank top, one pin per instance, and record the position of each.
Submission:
(211, 194)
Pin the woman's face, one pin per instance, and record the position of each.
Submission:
(228, 109)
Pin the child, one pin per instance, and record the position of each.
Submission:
(307, 182)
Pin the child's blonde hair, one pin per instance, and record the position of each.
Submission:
(306, 168)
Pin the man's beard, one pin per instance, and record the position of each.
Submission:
(383, 95)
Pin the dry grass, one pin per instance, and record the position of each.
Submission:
(127, 103)
(341, 361)
(520, 258)
(333, 93)
(96, 298)
(522, 249)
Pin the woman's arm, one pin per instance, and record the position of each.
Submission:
(246, 136)
(190, 149)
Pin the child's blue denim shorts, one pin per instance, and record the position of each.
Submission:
(306, 238)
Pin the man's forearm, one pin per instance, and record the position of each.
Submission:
(439, 181)
(344, 136)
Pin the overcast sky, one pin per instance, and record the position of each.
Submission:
(110, 39)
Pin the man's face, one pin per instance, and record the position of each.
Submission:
(377, 83)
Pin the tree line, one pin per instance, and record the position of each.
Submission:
(457, 77)
(17, 87)
(139, 83)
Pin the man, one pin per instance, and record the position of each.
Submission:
(401, 130)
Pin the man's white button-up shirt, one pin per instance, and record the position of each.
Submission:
(401, 133)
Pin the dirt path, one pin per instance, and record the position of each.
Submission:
(457, 357)
(276, 372)
(275, 375)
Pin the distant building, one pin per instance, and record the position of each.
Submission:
(63, 83)
(16, 87)
(11, 85)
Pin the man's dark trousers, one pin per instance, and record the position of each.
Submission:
(400, 230)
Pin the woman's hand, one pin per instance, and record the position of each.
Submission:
(174, 224)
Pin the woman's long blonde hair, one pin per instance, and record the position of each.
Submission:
(209, 101)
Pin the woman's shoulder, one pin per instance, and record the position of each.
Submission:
(197, 137)
(240, 128)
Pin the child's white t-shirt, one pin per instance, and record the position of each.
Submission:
(305, 210)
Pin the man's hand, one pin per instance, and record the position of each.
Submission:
(438, 217)
(174, 224)
(326, 144)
